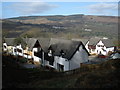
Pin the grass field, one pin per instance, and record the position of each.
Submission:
(105, 75)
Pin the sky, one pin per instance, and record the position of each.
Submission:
(14, 8)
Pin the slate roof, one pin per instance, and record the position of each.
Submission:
(47, 42)
(93, 41)
(31, 42)
(9, 41)
(44, 43)
(108, 42)
(68, 47)
(83, 40)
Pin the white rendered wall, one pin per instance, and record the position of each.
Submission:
(14, 53)
(110, 49)
(4, 49)
(19, 53)
(86, 46)
(58, 60)
(61, 61)
(35, 58)
(10, 49)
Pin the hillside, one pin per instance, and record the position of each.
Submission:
(72, 26)
(104, 75)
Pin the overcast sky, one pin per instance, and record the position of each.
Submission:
(16, 9)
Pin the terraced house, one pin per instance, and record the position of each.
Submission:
(59, 54)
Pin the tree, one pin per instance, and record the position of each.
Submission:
(19, 40)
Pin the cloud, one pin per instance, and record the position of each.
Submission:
(27, 8)
(103, 8)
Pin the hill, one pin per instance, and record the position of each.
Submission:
(104, 75)
(71, 26)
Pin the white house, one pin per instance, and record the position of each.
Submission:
(100, 46)
(5, 47)
(8, 45)
(66, 55)
(32, 50)
(59, 54)
(19, 50)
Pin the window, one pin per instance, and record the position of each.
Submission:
(5, 46)
(19, 50)
(50, 53)
(98, 45)
(15, 50)
(102, 45)
(62, 53)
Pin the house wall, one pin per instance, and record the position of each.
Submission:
(79, 57)
(35, 58)
(62, 61)
(10, 49)
(27, 56)
(110, 49)
(4, 49)
(86, 46)
(47, 64)
(19, 53)
(29, 53)
(14, 53)
(100, 48)
(91, 51)
(58, 60)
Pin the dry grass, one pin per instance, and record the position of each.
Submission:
(105, 75)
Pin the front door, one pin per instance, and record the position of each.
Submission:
(60, 67)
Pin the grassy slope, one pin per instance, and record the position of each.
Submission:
(105, 75)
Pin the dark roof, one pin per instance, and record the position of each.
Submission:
(93, 41)
(44, 43)
(47, 42)
(83, 40)
(68, 47)
(9, 41)
(30, 42)
(108, 42)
